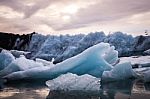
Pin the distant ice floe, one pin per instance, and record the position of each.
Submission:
(141, 61)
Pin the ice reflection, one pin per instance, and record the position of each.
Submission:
(24, 90)
(110, 90)
(129, 89)
(114, 90)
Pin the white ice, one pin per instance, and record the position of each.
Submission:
(20, 64)
(5, 59)
(73, 82)
(119, 72)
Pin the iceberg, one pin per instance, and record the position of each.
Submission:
(20, 64)
(90, 61)
(73, 82)
(119, 72)
(5, 59)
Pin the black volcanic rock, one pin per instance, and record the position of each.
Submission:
(11, 41)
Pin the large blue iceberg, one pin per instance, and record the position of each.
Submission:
(93, 61)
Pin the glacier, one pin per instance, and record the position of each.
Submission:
(90, 61)
(65, 46)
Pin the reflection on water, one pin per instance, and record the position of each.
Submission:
(115, 90)
(129, 89)
(27, 90)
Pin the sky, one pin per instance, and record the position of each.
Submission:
(74, 16)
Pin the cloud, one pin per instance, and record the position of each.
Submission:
(27, 15)
(109, 10)
(24, 7)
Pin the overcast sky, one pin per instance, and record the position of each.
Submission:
(74, 16)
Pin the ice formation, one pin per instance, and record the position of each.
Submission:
(73, 82)
(90, 61)
(20, 64)
(111, 56)
(119, 72)
(5, 59)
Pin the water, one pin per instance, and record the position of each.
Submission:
(129, 89)
(23, 90)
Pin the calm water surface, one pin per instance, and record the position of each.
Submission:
(132, 89)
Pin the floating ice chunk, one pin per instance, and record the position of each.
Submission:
(5, 59)
(119, 72)
(73, 82)
(90, 61)
(18, 53)
(20, 64)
